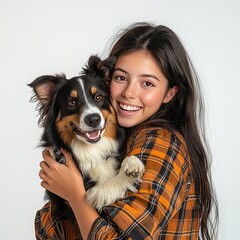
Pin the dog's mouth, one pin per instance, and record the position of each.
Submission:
(90, 136)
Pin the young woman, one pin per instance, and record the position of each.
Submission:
(155, 93)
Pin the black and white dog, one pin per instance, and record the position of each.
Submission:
(76, 114)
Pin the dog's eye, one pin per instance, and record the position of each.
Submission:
(71, 102)
(98, 97)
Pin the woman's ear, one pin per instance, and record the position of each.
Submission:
(170, 94)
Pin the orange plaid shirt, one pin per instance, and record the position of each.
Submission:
(165, 205)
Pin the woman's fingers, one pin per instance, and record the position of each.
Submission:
(51, 162)
(68, 157)
(43, 175)
(45, 185)
(48, 158)
(61, 179)
(44, 166)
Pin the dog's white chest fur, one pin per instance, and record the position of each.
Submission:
(99, 162)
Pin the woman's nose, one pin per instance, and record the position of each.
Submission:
(130, 91)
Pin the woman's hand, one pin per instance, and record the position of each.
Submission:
(65, 180)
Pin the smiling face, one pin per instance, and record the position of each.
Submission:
(138, 88)
(84, 110)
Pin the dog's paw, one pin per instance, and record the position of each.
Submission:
(103, 195)
(95, 197)
(133, 167)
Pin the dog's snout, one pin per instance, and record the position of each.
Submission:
(92, 120)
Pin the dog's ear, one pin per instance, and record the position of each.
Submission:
(44, 88)
(93, 66)
(107, 66)
(96, 66)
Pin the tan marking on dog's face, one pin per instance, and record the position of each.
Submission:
(65, 129)
(93, 90)
(111, 122)
(74, 94)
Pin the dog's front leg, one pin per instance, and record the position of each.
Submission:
(115, 188)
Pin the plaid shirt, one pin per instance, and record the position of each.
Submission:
(165, 205)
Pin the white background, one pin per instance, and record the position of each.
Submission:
(52, 36)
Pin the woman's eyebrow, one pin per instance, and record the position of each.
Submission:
(120, 69)
(142, 75)
(150, 75)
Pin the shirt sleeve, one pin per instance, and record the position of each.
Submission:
(139, 215)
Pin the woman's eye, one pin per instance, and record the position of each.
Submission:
(98, 97)
(148, 84)
(120, 78)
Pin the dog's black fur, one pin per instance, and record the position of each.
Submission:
(76, 115)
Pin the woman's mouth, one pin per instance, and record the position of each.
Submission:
(129, 108)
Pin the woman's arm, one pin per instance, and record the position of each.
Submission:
(164, 187)
(139, 215)
(66, 181)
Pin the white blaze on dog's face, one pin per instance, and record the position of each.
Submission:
(91, 121)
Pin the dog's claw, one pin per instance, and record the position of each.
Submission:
(133, 167)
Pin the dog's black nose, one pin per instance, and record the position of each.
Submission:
(92, 120)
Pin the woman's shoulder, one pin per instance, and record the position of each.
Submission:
(160, 146)
(157, 133)
(159, 138)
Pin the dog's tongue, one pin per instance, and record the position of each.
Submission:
(93, 134)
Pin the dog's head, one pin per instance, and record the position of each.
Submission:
(76, 109)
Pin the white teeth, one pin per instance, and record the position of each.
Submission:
(129, 108)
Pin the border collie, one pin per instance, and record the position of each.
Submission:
(76, 114)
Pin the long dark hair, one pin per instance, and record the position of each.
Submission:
(184, 113)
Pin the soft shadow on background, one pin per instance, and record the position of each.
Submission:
(48, 37)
